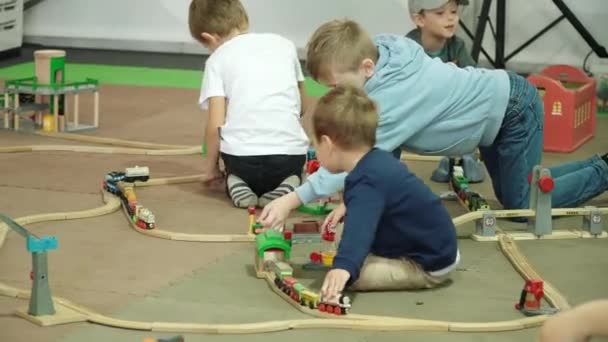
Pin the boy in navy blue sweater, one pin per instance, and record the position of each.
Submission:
(397, 235)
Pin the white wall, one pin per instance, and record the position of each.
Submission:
(160, 25)
(562, 44)
(165, 21)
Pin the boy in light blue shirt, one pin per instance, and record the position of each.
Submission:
(434, 108)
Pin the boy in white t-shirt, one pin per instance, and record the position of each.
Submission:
(252, 88)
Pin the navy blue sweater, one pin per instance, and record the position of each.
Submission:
(391, 213)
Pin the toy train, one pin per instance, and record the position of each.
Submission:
(299, 293)
(117, 183)
(110, 183)
(137, 173)
(470, 198)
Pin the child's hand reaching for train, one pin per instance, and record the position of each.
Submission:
(275, 213)
(335, 217)
(333, 285)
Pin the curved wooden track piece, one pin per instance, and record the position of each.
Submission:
(521, 264)
(110, 141)
(175, 236)
(169, 235)
(111, 205)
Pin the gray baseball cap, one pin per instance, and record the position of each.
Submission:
(419, 5)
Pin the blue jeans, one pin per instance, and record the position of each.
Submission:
(518, 148)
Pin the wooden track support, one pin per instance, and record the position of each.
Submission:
(63, 315)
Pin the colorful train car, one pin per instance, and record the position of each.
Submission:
(460, 185)
(137, 173)
(110, 182)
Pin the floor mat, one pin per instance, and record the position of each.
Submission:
(227, 292)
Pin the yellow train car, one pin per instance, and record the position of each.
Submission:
(309, 298)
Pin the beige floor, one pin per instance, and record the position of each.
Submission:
(104, 265)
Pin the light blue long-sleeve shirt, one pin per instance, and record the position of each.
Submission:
(426, 107)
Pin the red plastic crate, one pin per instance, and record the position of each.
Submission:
(569, 98)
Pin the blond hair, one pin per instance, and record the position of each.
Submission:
(347, 116)
(341, 44)
(219, 17)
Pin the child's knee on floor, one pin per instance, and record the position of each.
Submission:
(240, 193)
(288, 185)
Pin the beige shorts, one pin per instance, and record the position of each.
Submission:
(384, 274)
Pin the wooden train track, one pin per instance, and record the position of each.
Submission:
(135, 147)
(101, 150)
(111, 141)
(350, 322)
(376, 324)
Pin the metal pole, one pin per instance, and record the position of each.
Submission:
(599, 50)
(501, 12)
(470, 34)
(481, 29)
(41, 302)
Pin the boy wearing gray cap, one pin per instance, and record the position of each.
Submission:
(436, 24)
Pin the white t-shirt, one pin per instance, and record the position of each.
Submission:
(258, 74)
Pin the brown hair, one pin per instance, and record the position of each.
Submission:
(346, 115)
(219, 17)
(339, 43)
